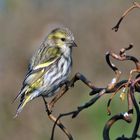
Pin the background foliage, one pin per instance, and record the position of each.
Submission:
(23, 25)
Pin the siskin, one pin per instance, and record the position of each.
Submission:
(49, 67)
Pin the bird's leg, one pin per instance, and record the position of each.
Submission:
(63, 90)
(54, 119)
(65, 87)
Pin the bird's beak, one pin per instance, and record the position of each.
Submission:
(74, 44)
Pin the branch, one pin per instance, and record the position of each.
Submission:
(135, 5)
(114, 86)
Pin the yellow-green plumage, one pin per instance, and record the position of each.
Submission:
(48, 68)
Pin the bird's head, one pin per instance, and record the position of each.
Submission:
(62, 38)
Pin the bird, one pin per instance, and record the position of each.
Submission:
(49, 67)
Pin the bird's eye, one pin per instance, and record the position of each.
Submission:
(63, 39)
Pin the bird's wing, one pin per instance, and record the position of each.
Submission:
(38, 69)
(45, 56)
(35, 75)
(32, 82)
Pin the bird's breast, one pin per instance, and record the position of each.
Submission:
(59, 72)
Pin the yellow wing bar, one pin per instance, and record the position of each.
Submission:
(44, 64)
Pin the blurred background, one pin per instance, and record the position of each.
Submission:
(24, 24)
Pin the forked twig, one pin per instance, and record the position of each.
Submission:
(112, 87)
(121, 57)
(131, 99)
(58, 123)
(55, 123)
(99, 92)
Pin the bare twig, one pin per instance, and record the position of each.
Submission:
(131, 99)
(115, 118)
(112, 87)
(58, 123)
(132, 90)
(135, 5)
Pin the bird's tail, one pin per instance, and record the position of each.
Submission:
(24, 100)
(19, 95)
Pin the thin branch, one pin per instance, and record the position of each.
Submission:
(58, 118)
(58, 123)
(132, 90)
(135, 5)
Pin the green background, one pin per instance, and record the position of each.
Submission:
(24, 24)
